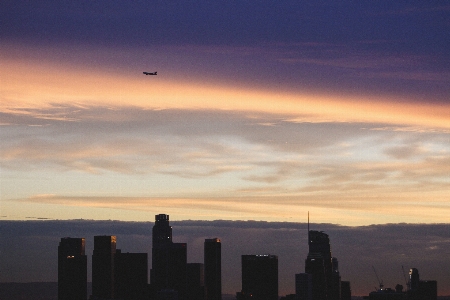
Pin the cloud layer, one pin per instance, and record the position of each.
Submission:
(194, 158)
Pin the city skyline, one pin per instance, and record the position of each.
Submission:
(259, 111)
(31, 246)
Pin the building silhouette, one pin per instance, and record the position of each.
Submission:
(303, 286)
(259, 277)
(346, 292)
(324, 269)
(421, 289)
(195, 275)
(315, 266)
(131, 276)
(168, 259)
(213, 268)
(72, 269)
(103, 267)
(335, 288)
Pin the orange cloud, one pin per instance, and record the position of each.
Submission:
(40, 84)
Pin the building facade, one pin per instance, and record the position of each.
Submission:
(72, 269)
(303, 286)
(213, 268)
(103, 267)
(260, 276)
(168, 259)
(131, 276)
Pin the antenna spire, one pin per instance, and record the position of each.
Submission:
(308, 230)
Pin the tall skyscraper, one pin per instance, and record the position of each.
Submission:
(103, 266)
(315, 266)
(260, 276)
(72, 269)
(168, 259)
(213, 268)
(162, 231)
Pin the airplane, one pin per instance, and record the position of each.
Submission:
(150, 73)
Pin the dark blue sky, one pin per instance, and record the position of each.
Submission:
(415, 26)
(381, 47)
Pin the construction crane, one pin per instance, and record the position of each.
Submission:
(380, 282)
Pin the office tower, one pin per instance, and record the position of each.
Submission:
(213, 271)
(314, 265)
(131, 276)
(421, 289)
(335, 292)
(195, 275)
(162, 231)
(346, 292)
(168, 259)
(260, 276)
(103, 267)
(414, 279)
(72, 269)
(319, 264)
(303, 286)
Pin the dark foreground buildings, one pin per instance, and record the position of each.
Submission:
(321, 280)
(103, 267)
(72, 269)
(169, 260)
(124, 276)
(259, 277)
(131, 276)
(213, 265)
(326, 280)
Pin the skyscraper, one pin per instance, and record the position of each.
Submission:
(315, 266)
(162, 231)
(72, 269)
(213, 268)
(326, 280)
(103, 266)
(195, 281)
(131, 276)
(303, 286)
(335, 292)
(260, 276)
(168, 259)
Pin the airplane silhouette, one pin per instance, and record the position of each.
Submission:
(150, 73)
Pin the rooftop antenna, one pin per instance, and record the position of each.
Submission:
(308, 230)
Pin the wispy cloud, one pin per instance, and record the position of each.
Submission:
(225, 154)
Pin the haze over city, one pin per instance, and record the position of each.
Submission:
(259, 111)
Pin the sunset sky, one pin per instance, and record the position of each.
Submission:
(260, 110)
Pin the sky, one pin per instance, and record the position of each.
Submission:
(261, 110)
